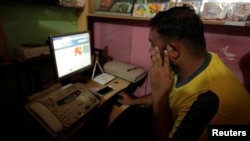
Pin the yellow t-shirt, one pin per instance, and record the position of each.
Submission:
(212, 95)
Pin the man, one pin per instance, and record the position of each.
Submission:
(191, 87)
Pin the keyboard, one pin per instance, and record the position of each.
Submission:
(104, 78)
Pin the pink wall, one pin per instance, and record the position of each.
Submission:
(129, 43)
(233, 46)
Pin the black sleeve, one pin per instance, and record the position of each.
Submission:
(197, 118)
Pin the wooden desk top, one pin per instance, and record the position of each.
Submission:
(118, 85)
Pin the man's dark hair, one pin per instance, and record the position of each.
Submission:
(181, 24)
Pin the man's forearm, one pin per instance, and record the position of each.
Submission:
(144, 100)
(161, 119)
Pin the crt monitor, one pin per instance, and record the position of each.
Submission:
(71, 53)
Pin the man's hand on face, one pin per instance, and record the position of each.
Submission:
(161, 75)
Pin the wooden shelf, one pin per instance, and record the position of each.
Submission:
(226, 23)
(5, 64)
(118, 17)
(91, 6)
(206, 22)
(42, 58)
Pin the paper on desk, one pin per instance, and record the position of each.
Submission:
(125, 71)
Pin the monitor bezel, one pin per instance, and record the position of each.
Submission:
(68, 76)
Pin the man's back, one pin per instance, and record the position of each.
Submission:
(211, 96)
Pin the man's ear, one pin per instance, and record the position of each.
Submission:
(173, 50)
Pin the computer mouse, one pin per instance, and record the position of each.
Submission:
(119, 97)
(117, 103)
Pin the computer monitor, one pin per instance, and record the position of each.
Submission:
(71, 53)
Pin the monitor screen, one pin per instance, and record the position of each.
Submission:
(71, 53)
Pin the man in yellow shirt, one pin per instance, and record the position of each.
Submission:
(194, 94)
(192, 89)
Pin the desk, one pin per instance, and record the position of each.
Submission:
(118, 85)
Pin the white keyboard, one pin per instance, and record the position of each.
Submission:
(104, 78)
